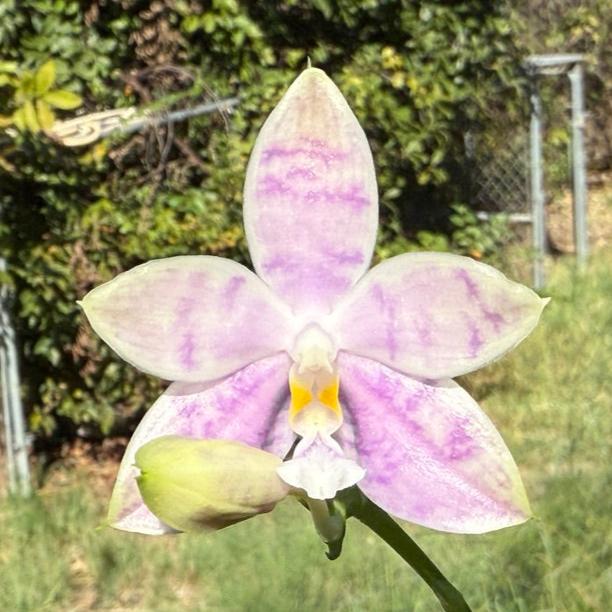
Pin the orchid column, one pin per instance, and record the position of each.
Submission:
(342, 373)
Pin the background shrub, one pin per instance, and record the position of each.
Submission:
(417, 74)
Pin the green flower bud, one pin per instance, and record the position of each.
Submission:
(195, 485)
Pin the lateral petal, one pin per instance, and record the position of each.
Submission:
(431, 455)
(435, 315)
(310, 197)
(189, 318)
(242, 407)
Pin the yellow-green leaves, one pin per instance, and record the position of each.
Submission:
(44, 78)
(195, 485)
(44, 114)
(62, 99)
(34, 97)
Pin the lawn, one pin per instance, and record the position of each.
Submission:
(551, 400)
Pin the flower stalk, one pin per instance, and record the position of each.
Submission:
(356, 504)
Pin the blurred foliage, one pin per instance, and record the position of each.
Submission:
(417, 75)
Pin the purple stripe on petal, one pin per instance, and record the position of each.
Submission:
(431, 455)
(189, 318)
(311, 197)
(245, 407)
(435, 315)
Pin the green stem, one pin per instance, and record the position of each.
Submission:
(384, 526)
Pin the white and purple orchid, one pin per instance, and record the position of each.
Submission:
(355, 364)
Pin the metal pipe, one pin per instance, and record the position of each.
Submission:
(17, 449)
(537, 187)
(579, 187)
(6, 417)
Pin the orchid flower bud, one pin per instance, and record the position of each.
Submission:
(196, 485)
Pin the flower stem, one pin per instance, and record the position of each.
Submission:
(329, 524)
(384, 526)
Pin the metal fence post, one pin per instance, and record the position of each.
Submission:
(579, 165)
(537, 187)
(14, 421)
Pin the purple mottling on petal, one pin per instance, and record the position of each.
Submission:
(494, 318)
(277, 262)
(353, 196)
(185, 307)
(309, 148)
(431, 455)
(345, 257)
(231, 291)
(476, 342)
(422, 324)
(186, 351)
(305, 173)
(460, 444)
(470, 283)
(387, 313)
(273, 186)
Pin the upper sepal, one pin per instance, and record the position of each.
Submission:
(310, 197)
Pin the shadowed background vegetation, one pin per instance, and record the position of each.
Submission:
(418, 75)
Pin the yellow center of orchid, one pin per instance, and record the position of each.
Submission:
(314, 384)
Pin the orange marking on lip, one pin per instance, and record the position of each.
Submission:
(329, 396)
(300, 397)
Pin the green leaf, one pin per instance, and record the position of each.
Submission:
(29, 115)
(19, 119)
(45, 115)
(62, 99)
(10, 67)
(44, 78)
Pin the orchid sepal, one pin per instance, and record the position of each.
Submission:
(435, 315)
(191, 318)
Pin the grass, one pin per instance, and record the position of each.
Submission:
(551, 400)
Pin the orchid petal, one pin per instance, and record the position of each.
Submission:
(431, 455)
(189, 318)
(242, 407)
(310, 197)
(435, 315)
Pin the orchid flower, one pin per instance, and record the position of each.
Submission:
(350, 369)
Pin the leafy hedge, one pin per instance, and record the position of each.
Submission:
(416, 73)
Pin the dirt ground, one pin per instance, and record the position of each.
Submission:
(560, 219)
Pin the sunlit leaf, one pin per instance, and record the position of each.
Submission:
(44, 78)
(19, 119)
(45, 115)
(29, 115)
(62, 99)
(10, 67)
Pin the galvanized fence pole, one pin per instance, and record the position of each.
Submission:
(579, 165)
(538, 210)
(7, 421)
(14, 420)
